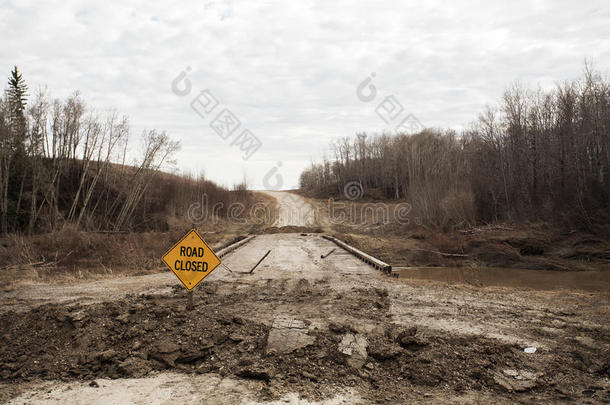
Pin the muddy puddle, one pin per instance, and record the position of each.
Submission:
(592, 281)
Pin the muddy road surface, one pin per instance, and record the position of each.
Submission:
(301, 329)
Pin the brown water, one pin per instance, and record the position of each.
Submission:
(594, 281)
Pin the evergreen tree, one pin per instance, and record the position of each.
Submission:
(17, 93)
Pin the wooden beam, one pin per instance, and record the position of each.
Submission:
(370, 260)
(232, 247)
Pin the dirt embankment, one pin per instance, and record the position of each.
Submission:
(532, 248)
(359, 345)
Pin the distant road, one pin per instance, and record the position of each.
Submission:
(294, 210)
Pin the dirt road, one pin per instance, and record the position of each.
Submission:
(301, 329)
(293, 210)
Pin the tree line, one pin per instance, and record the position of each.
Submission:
(62, 164)
(536, 155)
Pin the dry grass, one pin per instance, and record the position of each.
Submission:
(71, 254)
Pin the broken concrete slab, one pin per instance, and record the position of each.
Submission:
(354, 346)
(288, 334)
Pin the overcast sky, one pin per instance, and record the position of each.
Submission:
(289, 71)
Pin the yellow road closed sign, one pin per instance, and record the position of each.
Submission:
(191, 259)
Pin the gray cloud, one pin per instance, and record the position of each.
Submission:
(289, 70)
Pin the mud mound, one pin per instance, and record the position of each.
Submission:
(360, 347)
(292, 229)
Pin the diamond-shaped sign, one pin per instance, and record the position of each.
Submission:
(191, 259)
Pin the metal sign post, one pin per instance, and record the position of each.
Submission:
(189, 304)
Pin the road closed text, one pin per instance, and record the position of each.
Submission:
(192, 259)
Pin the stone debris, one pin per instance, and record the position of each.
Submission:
(354, 346)
(134, 366)
(167, 347)
(516, 380)
(167, 352)
(78, 316)
(287, 335)
(106, 355)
